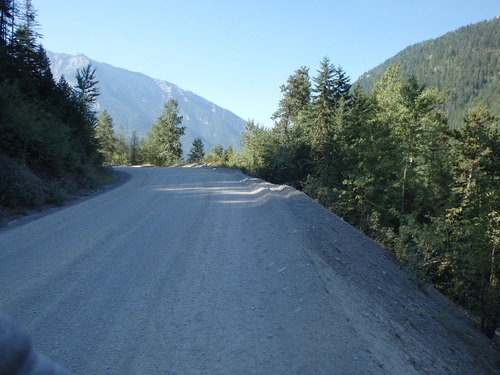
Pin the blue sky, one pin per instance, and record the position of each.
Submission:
(237, 53)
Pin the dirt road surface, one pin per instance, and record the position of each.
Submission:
(205, 271)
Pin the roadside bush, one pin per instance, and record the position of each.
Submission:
(19, 187)
(55, 194)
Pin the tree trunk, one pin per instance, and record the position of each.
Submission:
(491, 309)
(403, 189)
(491, 312)
(489, 321)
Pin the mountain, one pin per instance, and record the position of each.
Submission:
(135, 101)
(465, 63)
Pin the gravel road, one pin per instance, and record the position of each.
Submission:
(207, 271)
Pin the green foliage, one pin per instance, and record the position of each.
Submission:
(115, 146)
(121, 148)
(7, 17)
(474, 219)
(163, 145)
(296, 96)
(105, 135)
(86, 85)
(134, 144)
(259, 147)
(46, 128)
(228, 157)
(196, 153)
(218, 151)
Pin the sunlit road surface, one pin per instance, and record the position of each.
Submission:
(192, 271)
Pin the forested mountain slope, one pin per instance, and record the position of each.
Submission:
(135, 101)
(464, 62)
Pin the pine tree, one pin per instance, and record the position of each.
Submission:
(218, 151)
(296, 96)
(474, 222)
(342, 86)
(7, 17)
(134, 148)
(230, 156)
(121, 155)
(42, 72)
(163, 145)
(106, 137)
(196, 153)
(87, 85)
(24, 45)
(323, 99)
(324, 116)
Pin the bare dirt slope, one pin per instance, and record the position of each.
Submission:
(201, 271)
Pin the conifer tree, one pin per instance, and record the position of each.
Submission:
(134, 148)
(324, 118)
(121, 155)
(474, 222)
(105, 135)
(296, 96)
(163, 145)
(230, 155)
(218, 151)
(87, 85)
(342, 86)
(24, 44)
(196, 153)
(7, 16)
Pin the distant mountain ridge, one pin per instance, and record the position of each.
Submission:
(135, 101)
(464, 62)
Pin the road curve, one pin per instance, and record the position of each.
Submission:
(201, 271)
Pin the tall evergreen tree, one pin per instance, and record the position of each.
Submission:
(342, 85)
(25, 42)
(134, 148)
(86, 86)
(475, 220)
(105, 135)
(121, 155)
(318, 118)
(7, 16)
(196, 153)
(218, 151)
(419, 130)
(296, 96)
(163, 145)
(369, 168)
(325, 117)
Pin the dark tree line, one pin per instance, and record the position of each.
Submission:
(47, 128)
(389, 164)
